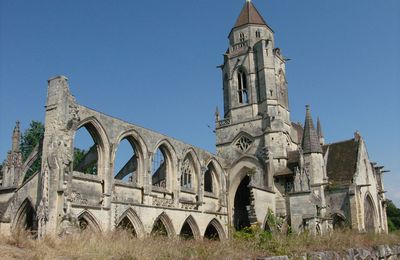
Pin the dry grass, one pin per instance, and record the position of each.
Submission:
(120, 245)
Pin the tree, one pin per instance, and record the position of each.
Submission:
(393, 215)
(29, 139)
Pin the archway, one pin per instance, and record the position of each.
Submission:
(338, 221)
(211, 233)
(242, 205)
(126, 224)
(26, 217)
(189, 229)
(131, 222)
(163, 226)
(126, 161)
(86, 150)
(214, 231)
(186, 232)
(87, 221)
(369, 214)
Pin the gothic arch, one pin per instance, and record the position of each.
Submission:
(87, 219)
(25, 217)
(240, 169)
(265, 226)
(243, 85)
(214, 227)
(96, 131)
(166, 221)
(191, 155)
(220, 172)
(370, 222)
(338, 220)
(100, 138)
(140, 149)
(246, 167)
(193, 226)
(241, 68)
(212, 178)
(137, 224)
(171, 161)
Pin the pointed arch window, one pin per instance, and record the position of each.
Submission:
(208, 179)
(159, 168)
(86, 150)
(187, 174)
(258, 34)
(242, 87)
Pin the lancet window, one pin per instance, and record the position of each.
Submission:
(187, 174)
(242, 87)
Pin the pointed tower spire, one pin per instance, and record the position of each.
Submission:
(16, 137)
(249, 15)
(310, 141)
(320, 133)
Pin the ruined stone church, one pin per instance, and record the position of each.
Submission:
(265, 164)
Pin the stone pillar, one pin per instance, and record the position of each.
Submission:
(55, 177)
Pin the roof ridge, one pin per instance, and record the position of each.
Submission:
(339, 142)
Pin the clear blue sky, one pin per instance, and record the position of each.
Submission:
(153, 63)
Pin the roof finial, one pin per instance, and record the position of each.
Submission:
(16, 138)
(248, 1)
(216, 114)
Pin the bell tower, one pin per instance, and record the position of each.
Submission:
(253, 69)
(255, 92)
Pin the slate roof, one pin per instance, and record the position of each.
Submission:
(249, 15)
(293, 159)
(310, 142)
(342, 161)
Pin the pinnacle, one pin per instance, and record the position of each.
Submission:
(310, 141)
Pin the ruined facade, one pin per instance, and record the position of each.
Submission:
(265, 164)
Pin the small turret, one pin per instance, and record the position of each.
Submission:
(320, 133)
(311, 142)
(16, 138)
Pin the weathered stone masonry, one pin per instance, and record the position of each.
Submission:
(264, 163)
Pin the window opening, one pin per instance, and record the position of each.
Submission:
(243, 143)
(258, 34)
(208, 179)
(159, 167)
(288, 186)
(186, 174)
(241, 37)
(242, 88)
(125, 163)
(85, 151)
